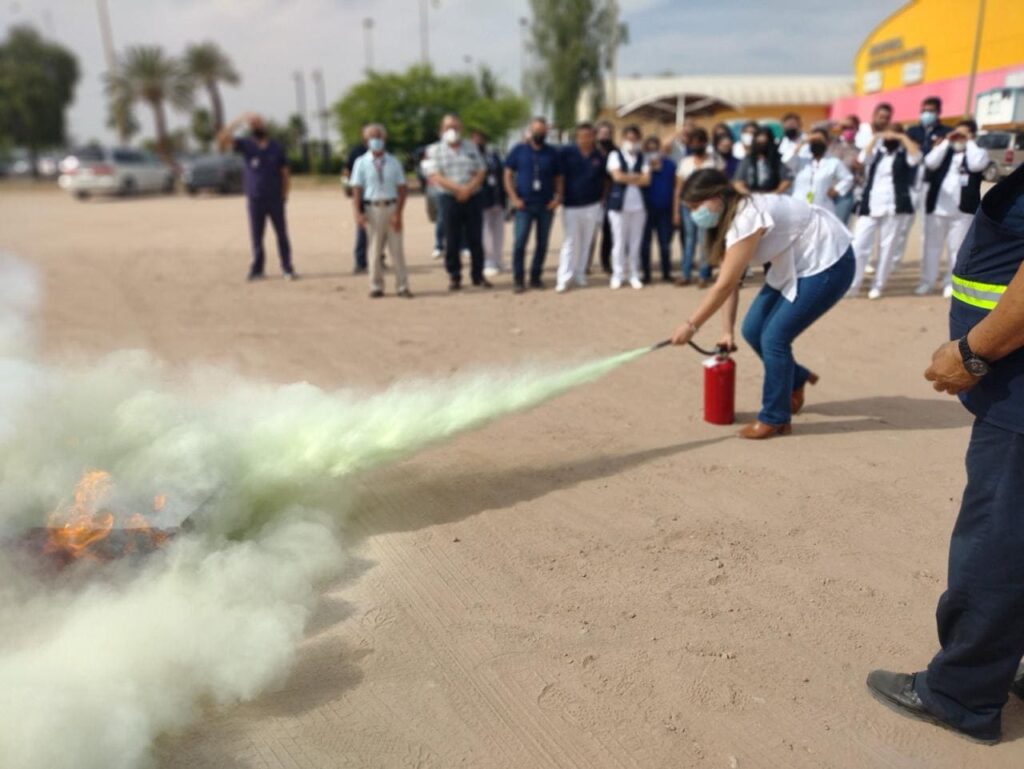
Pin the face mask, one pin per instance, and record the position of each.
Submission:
(451, 136)
(699, 149)
(892, 144)
(747, 139)
(928, 118)
(848, 135)
(792, 134)
(375, 145)
(628, 146)
(259, 134)
(818, 149)
(704, 218)
(539, 137)
(959, 146)
(760, 148)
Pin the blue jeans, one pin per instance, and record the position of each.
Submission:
(981, 625)
(525, 218)
(773, 322)
(659, 223)
(261, 209)
(844, 207)
(688, 235)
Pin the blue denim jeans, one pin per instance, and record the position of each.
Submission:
(773, 322)
(688, 235)
(525, 219)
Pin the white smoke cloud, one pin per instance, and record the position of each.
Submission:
(98, 659)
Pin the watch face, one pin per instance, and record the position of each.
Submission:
(976, 366)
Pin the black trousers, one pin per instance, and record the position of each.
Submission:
(981, 614)
(463, 224)
(261, 209)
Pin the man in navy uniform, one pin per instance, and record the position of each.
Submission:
(929, 132)
(266, 188)
(981, 614)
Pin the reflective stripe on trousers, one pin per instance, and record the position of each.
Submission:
(983, 295)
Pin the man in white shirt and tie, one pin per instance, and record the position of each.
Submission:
(378, 199)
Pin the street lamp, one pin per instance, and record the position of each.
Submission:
(524, 27)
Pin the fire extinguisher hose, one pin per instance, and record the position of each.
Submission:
(719, 350)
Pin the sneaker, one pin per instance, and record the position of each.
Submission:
(875, 293)
(291, 276)
(455, 285)
(437, 253)
(636, 283)
(483, 283)
(581, 281)
(869, 270)
(947, 292)
(492, 272)
(561, 288)
(922, 290)
(615, 284)
(405, 293)
(377, 293)
(681, 282)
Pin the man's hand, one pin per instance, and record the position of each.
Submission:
(677, 218)
(833, 193)
(462, 193)
(396, 221)
(361, 220)
(947, 373)
(518, 203)
(555, 203)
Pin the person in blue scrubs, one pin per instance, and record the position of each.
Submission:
(266, 189)
(981, 614)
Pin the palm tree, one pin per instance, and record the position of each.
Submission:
(149, 75)
(209, 66)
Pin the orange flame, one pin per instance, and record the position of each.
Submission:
(74, 530)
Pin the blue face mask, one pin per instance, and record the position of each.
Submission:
(704, 218)
(928, 118)
(375, 145)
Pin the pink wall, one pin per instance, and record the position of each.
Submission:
(906, 102)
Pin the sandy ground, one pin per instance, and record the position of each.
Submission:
(604, 582)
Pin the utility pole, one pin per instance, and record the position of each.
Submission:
(425, 29)
(368, 43)
(524, 29)
(613, 60)
(969, 106)
(110, 55)
(318, 84)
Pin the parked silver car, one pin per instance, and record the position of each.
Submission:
(221, 173)
(1005, 151)
(95, 170)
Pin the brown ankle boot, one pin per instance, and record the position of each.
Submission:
(796, 400)
(758, 431)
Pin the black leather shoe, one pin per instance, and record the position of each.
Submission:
(1017, 687)
(536, 283)
(455, 285)
(483, 283)
(896, 691)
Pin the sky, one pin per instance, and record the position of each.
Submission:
(270, 40)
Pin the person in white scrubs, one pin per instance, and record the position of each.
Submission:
(819, 178)
(626, 212)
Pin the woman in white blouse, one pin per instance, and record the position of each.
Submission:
(819, 178)
(810, 266)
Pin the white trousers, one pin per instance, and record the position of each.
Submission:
(379, 232)
(884, 229)
(938, 231)
(627, 235)
(579, 225)
(494, 237)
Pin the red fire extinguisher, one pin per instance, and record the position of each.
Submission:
(720, 388)
(719, 383)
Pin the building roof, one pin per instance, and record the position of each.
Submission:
(710, 93)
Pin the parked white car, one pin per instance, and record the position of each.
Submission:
(95, 170)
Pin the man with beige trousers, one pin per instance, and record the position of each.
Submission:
(378, 200)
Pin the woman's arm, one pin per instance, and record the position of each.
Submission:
(729, 319)
(735, 263)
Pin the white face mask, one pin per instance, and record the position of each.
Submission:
(747, 139)
(451, 136)
(959, 146)
(630, 147)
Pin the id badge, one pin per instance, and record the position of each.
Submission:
(965, 179)
(255, 162)
(492, 180)
(536, 185)
(810, 196)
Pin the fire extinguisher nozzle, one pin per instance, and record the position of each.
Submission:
(659, 345)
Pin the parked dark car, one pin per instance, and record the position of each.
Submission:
(221, 173)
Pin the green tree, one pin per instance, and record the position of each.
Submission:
(149, 75)
(37, 82)
(297, 130)
(121, 117)
(202, 128)
(411, 104)
(575, 41)
(209, 66)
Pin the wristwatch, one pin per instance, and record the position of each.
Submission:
(975, 366)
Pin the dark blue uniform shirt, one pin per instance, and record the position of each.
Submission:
(585, 176)
(535, 171)
(262, 168)
(662, 187)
